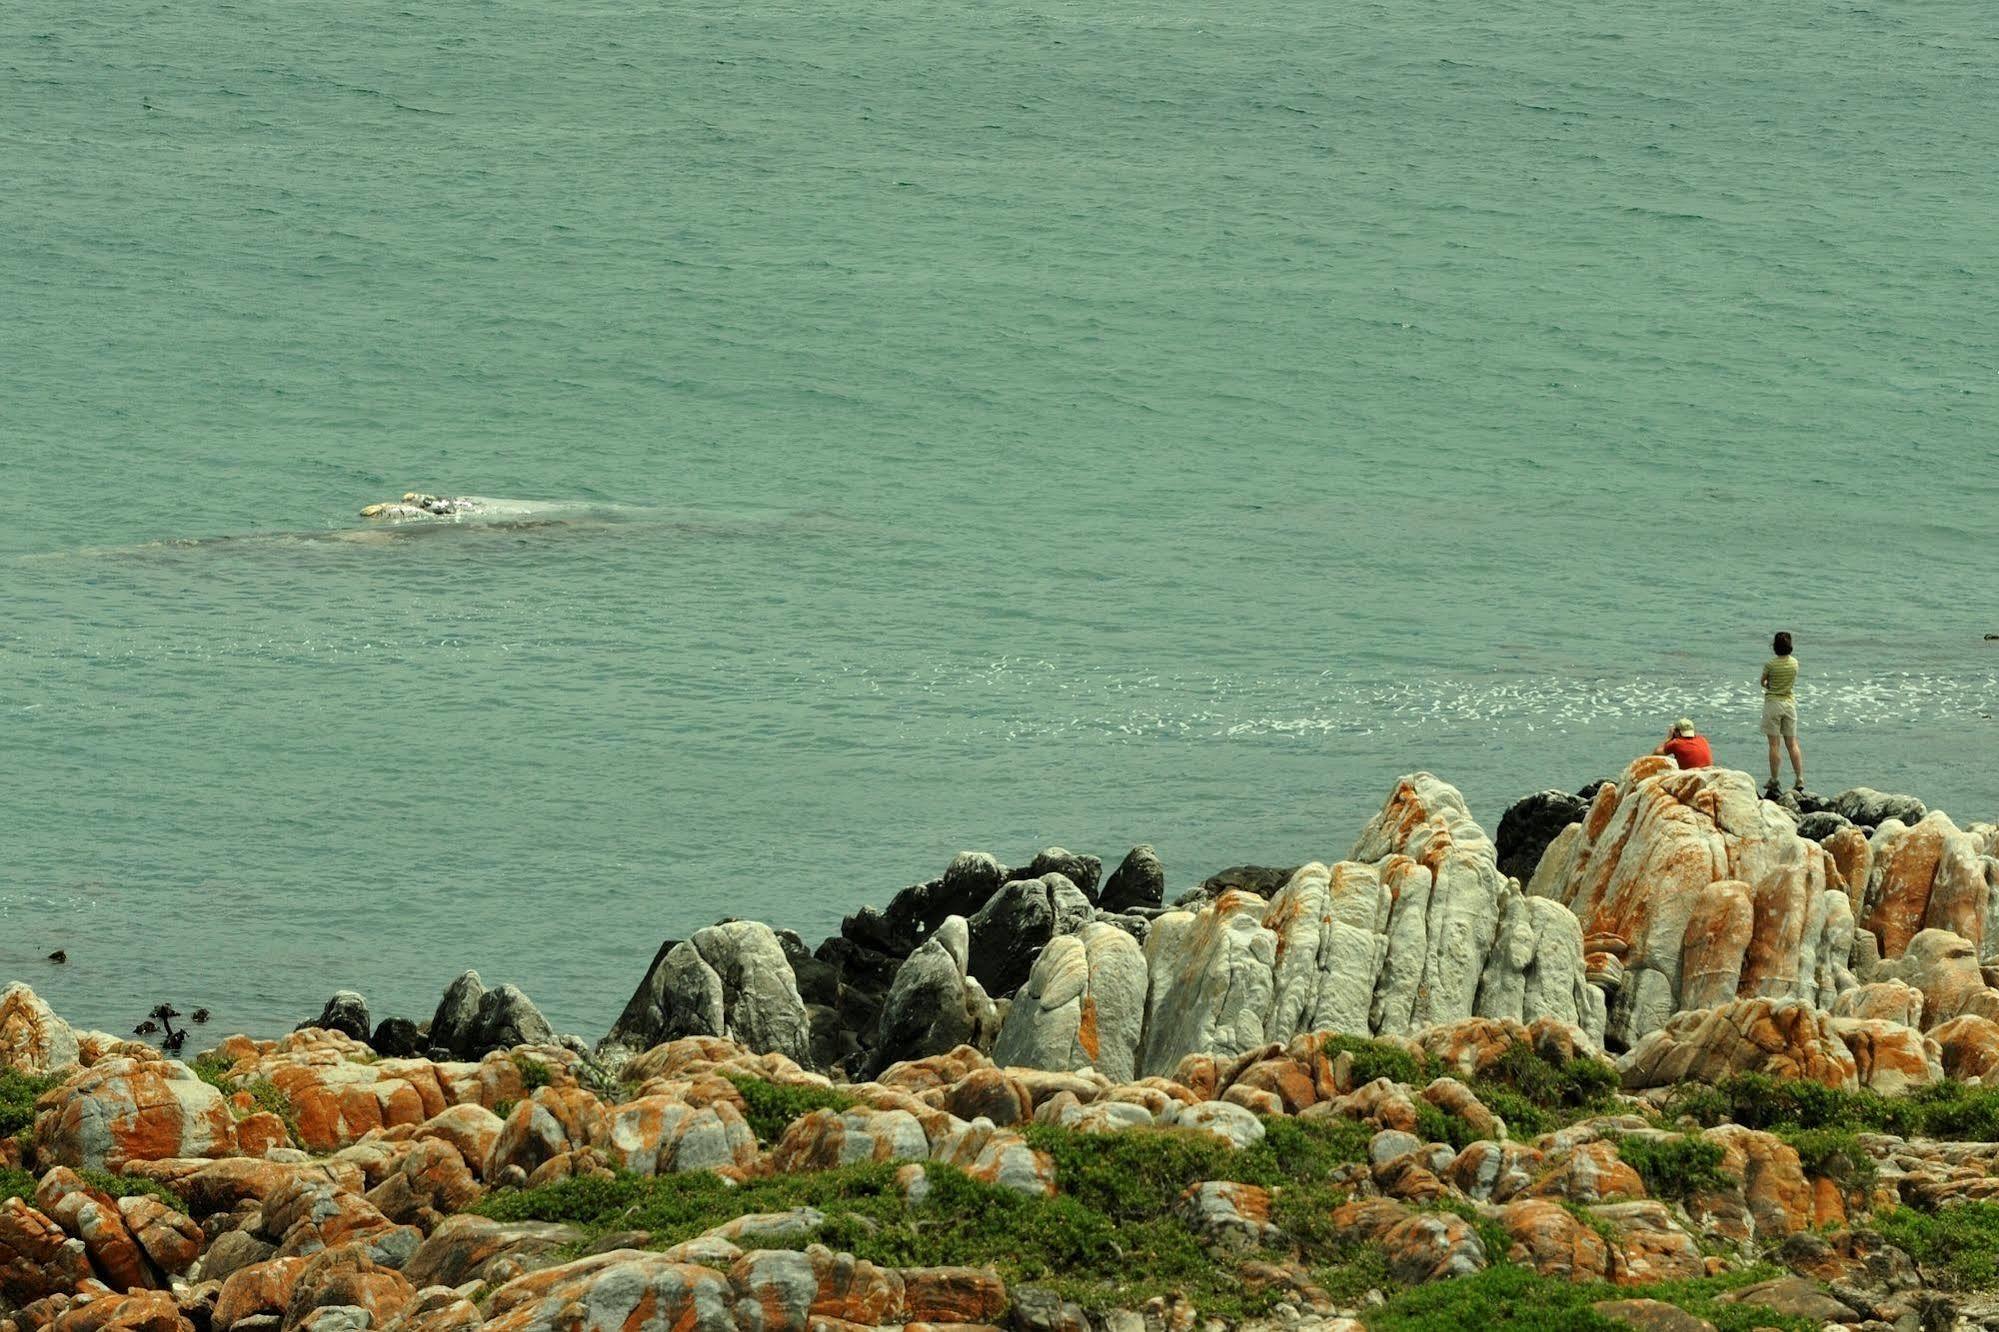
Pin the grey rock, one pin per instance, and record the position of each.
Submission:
(1817, 827)
(680, 996)
(1529, 825)
(396, 1038)
(1330, 949)
(394, 1248)
(232, 1251)
(345, 1012)
(465, 1247)
(834, 1044)
(1131, 922)
(731, 979)
(1262, 880)
(1804, 804)
(1083, 1006)
(506, 1018)
(331, 1318)
(1083, 871)
(914, 914)
(1016, 923)
(1535, 968)
(452, 1025)
(1038, 1309)
(1870, 808)
(935, 1003)
(1212, 982)
(1139, 880)
(1794, 1296)
(1389, 1144)
(761, 1004)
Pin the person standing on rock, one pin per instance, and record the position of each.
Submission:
(1780, 714)
(1688, 747)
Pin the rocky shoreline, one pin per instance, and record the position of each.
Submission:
(1661, 1054)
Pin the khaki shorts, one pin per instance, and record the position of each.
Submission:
(1780, 717)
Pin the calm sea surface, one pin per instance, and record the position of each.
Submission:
(970, 425)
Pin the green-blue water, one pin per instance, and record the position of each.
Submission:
(1000, 425)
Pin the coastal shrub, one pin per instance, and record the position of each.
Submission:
(1954, 1111)
(1381, 1059)
(267, 1095)
(504, 1107)
(1585, 1084)
(1360, 1268)
(213, 1069)
(1433, 1125)
(1108, 1240)
(131, 1186)
(1524, 1119)
(17, 1099)
(1959, 1243)
(1674, 1167)
(1306, 1150)
(1948, 1110)
(1832, 1152)
(1137, 1173)
(774, 1108)
(534, 1073)
(15, 1183)
(1061, 1242)
(1505, 1296)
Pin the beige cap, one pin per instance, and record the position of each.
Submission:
(1684, 726)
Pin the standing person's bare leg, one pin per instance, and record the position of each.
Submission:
(1797, 759)
(1776, 760)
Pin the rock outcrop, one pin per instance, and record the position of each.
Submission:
(1931, 875)
(472, 1021)
(1083, 1005)
(1688, 878)
(1017, 922)
(32, 1038)
(731, 980)
(935, 1004)
(123, 1110)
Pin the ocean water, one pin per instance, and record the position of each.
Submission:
(968, 425)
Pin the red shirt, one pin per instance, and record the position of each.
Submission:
(1690, 751)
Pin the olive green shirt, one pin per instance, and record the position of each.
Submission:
(1779, 676)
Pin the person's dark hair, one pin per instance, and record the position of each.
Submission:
(1781, 645)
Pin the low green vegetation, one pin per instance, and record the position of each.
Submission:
(534, 1073)
(1433, 1125)
(1381, 1059)
(1536, 1095)
(1533, 1094)
(1948, 1110)
(17, 1099)
(1835, 1153)
(1506, 1296)
(213, 1069)
(15, 1183)
(1675, 1167)
(1109, 1240)
(1957, 1244)
(267, 1095)
(131, 1186)
(772, 1108)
